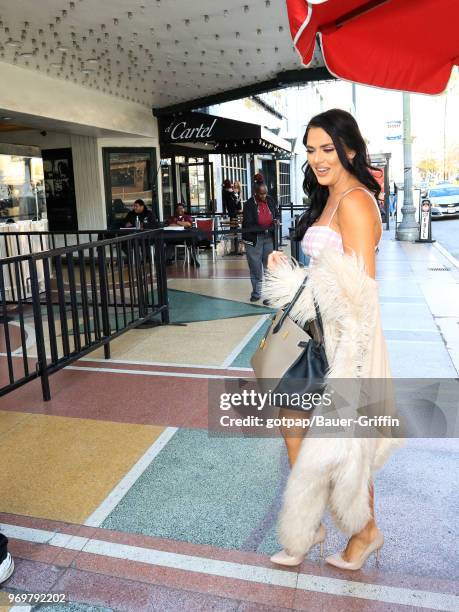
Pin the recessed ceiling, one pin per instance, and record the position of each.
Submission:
(155, 52)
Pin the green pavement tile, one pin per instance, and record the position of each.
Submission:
(243, 359)
(71, 607)
(215, 491)
(186, 307)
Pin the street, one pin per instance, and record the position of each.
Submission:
(446, 231)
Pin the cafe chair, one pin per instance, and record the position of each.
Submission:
(208, 227)
(186, 253)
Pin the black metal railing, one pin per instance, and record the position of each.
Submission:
(75, 299)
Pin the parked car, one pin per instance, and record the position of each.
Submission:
(444, 200)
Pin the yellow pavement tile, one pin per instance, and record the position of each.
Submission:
(63, 468)
(199, 343)
(11, 420)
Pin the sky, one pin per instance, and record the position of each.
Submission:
(377, 106)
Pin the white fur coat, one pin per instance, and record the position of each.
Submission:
(334, 473)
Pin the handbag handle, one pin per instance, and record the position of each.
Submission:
(292, 304)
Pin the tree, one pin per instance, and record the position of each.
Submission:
(428, 166)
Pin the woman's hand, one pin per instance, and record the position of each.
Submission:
(275, 258)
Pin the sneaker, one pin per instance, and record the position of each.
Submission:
(6, 568)
(266, 303)
(254, 298)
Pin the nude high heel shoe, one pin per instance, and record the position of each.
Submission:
(283, 558)
(375, 546)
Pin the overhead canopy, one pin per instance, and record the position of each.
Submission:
(212, 134)
(177, 56)
(397, 44)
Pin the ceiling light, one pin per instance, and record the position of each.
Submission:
(13, 43)
(56, 65)
(6, 118)
(62, 48)
(26, 54)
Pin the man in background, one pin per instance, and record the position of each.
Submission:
(260, 216)
(180, 217)
(143, 214)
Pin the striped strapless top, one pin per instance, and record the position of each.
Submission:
(318, 237)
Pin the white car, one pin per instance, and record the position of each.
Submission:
(444, 200)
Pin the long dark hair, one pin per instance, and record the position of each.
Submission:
(344, 131)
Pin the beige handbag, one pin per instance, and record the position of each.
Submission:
(291, 359)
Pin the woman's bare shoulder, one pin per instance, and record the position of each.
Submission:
(358, 202)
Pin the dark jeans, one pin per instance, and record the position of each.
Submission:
(3, 547)
(257, 257)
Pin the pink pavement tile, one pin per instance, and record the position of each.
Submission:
(50, 554)
(191, 581)
(124, 594)
(383, 577)
(46, 524)
(32, 551)
(121, 398)
(248, 606)
(34, 577)
(320, 602)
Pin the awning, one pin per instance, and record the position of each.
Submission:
(201, 132)
(397, 44)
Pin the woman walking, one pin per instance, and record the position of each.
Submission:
(340, 232)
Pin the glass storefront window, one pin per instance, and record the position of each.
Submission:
(234, 168)
(128, 177)
(22, 191)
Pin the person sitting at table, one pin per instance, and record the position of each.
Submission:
(146, 218)
(180, 217)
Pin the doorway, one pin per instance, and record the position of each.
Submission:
(196, 186)
(268, 168)
(60, 189)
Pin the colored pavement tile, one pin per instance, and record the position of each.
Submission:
(202, 342)
(204, 490)
(228, 288)
(243, 358)
(186, 306)
(73, 607)
(63, 468)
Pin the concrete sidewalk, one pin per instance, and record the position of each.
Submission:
(419, 290)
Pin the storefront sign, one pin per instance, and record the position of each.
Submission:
(180, 130)
(201, 127)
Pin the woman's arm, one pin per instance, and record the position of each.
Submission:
(357, 219)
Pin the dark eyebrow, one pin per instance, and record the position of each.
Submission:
(330, 144)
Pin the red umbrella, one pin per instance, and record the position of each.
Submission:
(409, 45)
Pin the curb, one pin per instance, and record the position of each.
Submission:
(446, 254)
